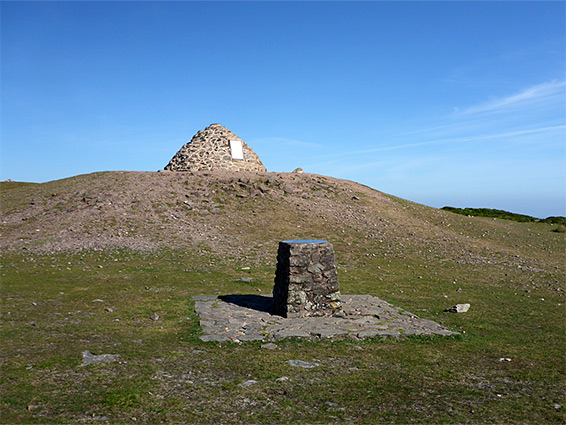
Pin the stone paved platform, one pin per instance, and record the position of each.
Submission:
(241, 318)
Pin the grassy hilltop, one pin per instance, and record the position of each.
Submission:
(87, 261)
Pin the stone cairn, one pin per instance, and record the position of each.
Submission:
(215, 148)
(306, 282)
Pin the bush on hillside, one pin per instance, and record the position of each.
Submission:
(505, 215)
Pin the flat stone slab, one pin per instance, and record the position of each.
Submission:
(240, 318)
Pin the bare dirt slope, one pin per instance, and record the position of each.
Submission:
(245, 215)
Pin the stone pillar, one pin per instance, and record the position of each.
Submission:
(306, 282)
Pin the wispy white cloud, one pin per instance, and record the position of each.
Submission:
(495, 120)
(530, 120)
(452, 140)
(491, 136)
(539, 94)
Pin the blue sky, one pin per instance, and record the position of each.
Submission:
(441, 103)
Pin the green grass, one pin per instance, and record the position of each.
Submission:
(166, 374)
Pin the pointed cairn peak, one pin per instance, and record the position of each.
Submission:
(216, 148)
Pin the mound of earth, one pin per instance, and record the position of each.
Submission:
(239, 215)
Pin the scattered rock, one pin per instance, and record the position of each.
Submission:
(458, 308)
(89, 358)
(282, 379)
(304, 365)
(355, 198)
(504, 359)
(109, 309)
(33, 323)
(98, 300)
(248, 383)
(245, 279)
(298, 171)
(557, 406)
(269, 346)
(154, 317)
(32, 407)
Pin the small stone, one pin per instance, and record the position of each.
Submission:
(458, 308)
(557, 406)
(32, 407)
(282, 379)
(109, 309)
(154, 317)
(303, 364)
(355, 198)
(33, 323)
(98, 300)
(504, 359)
(248, 383)
(89, 358)
(245, 279)
(298, 171)
(270, 346)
